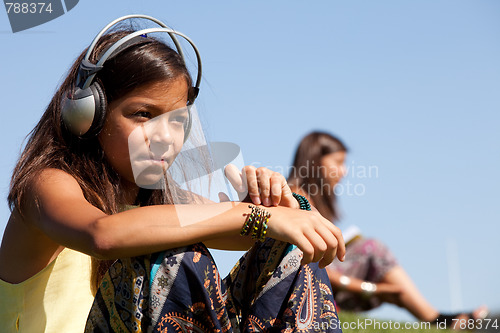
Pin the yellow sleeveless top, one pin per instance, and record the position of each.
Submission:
(56, 299)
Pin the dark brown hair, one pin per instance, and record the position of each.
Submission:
(307, 172)
(50, 145)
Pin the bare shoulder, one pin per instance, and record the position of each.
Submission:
(54, 214)
(54, 183)
(26, 248)
(53, 194)
(55, 177)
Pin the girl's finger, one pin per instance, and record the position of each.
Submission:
(307, 250)
(252, 184)
(340, 239)
(276, 188)
(318, 244)
(287, 198)
(332, 245)
(223, 197)
(235, 177)
(264, 181)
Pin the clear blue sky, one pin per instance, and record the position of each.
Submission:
(412, 87)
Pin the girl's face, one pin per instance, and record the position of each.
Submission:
(144, 131)
(334, 167)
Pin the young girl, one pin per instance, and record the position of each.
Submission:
(370, 275)
(72, 194)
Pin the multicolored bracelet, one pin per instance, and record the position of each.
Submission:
(248, 222)
(257, 220)
(303, 202)
(256, 223)
(260, 235)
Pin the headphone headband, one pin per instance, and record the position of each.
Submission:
(127, 38)
(126, 17)
(172, 33)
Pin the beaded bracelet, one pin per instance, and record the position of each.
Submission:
(248, 222)
(260, 234)
(303, 202)
(256, 223)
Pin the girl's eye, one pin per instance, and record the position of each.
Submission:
(143, 114)
(179, 119)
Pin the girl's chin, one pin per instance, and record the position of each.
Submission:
(151, 177)
(150, 181)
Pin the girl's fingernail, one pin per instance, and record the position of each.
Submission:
(343, 257)
(256, 200)
(267, 202)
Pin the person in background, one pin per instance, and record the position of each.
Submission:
(370, 274)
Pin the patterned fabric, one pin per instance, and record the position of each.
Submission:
(180, 290)
(368, 260)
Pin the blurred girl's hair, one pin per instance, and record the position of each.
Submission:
(307, 171)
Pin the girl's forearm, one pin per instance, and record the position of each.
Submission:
(156, 228)
(353, 285)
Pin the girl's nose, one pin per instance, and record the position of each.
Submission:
(343, 171)
(160, 137)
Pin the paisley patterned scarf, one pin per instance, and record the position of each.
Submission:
(180, 290)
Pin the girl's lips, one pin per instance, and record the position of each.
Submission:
(161, 161)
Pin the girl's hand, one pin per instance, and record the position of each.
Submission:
(265, 187)
(317, 238)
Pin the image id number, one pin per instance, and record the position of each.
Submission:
(475, 324)
(28, 7)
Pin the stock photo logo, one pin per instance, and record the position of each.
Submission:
(28, 14)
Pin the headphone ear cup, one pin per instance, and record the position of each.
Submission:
(100, 111)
